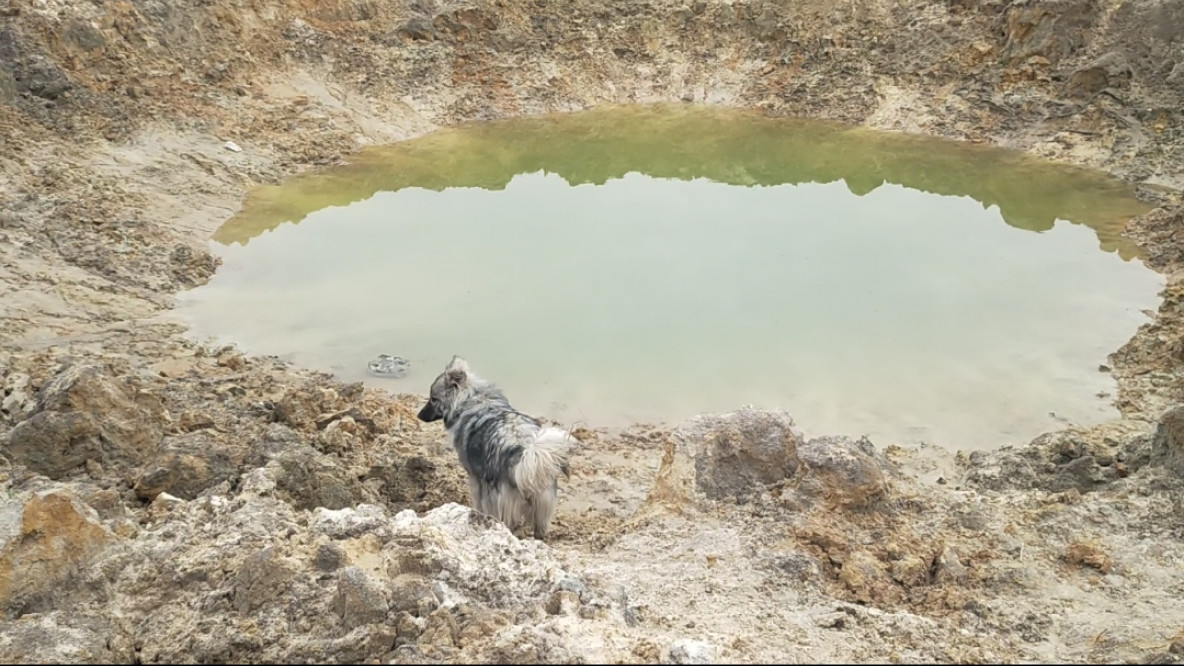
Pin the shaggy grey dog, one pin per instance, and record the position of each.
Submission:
(513, 461)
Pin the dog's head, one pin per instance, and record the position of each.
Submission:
(446, 390)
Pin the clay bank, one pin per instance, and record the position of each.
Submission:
(165, 499)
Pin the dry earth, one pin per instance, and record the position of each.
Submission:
(164, 501)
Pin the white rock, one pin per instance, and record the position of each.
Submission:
(686, 651)
(165, 499)
(474, 557)
(164, 504)
(232, 147)
(348, 523)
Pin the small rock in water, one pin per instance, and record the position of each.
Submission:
(385, 365)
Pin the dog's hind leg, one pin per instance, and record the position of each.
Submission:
(510, 507)
(543, 508)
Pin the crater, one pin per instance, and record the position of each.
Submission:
(648, 263)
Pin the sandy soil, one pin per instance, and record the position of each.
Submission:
(167, 500)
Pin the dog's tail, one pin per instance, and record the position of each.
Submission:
(543, 461)
(537, 474)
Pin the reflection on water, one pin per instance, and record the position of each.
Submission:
(651, 263)
(721, 145)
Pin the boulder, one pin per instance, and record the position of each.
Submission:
(740, 453)
(46, 539)
(84, 413)
(842, 471)
(189, 464)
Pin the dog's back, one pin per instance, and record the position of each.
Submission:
(487, 432)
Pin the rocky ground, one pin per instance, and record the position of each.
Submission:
(161, 500)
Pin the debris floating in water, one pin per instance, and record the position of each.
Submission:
(385, 365)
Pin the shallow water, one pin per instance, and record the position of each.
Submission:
(647, 264)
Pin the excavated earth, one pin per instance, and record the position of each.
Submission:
(165, 500)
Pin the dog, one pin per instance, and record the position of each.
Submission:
(513, 461)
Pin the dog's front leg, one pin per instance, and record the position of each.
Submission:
(476, 497)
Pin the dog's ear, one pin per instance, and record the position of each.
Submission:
(456, 378)
(457, 372)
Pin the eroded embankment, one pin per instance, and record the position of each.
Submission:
(169, 501)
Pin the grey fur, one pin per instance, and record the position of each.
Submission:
(513, 461)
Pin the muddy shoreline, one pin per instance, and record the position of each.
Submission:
(166, 500)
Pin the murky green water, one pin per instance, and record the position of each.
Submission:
(652, 263)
